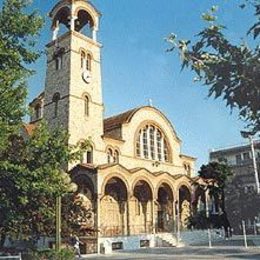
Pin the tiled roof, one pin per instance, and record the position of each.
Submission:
(29, 128)
(118, 120)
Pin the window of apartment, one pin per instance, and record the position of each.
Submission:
(246, 156)
(238, 159)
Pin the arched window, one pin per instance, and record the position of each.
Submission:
(83, 59)
(38, 111)
(138, 144)
(116, 156)
(55, 100)
(109, 155)
(152, 147)
(89, 155)
(88, 65)
(86, 61)
(145, 142)
(86, 106)
(159, 145)
(152, 144)
(58, 62)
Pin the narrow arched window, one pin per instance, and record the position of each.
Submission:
(138, 144)
(166, 151)
(151, 137)
(145, 142)
(109, 156)
(86, 106)
(89, 60)
(55, 100)
(159, 145)
(58, 62)
(116, 156)
(83, 59)
(38, 112)
(89, 155)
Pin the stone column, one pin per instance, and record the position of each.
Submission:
(72, 23)
(98, 207)
(56, 31)
(153, 215)
(128, 215)
(174, 216)
(94, 34)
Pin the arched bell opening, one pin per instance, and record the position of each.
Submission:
(61, 22)
(143, 208)
(184, 206)
(165, 217)
(114, 208)
(84, 23)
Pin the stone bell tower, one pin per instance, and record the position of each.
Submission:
(73, 92)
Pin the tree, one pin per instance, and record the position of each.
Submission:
(218, 173)
(31, 179)
(18, 31)
(231, 71)
(30, 166)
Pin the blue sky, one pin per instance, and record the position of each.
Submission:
(136, 66)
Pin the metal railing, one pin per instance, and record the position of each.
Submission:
(9, 257)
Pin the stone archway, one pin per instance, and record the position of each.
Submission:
(143, 213)
(114, 208)
(184, 205)
(165, 214)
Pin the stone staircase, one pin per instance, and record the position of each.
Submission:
(166, 240)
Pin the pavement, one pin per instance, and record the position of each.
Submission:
(226, 249)
(188, 253)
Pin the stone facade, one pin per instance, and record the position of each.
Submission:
(134, 177)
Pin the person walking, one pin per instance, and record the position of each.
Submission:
(76, 245)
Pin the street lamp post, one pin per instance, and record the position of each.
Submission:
(250, 135)
(72, 188)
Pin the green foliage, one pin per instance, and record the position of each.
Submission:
(231, 71)
(218, 174)
(198, 221)
(17, 41)
(31, 179)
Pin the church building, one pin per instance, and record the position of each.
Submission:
(134, 176)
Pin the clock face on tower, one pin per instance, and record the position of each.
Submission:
(86, 76)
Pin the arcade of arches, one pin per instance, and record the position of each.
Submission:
(139, 205)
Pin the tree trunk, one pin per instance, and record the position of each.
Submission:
(2, 240)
